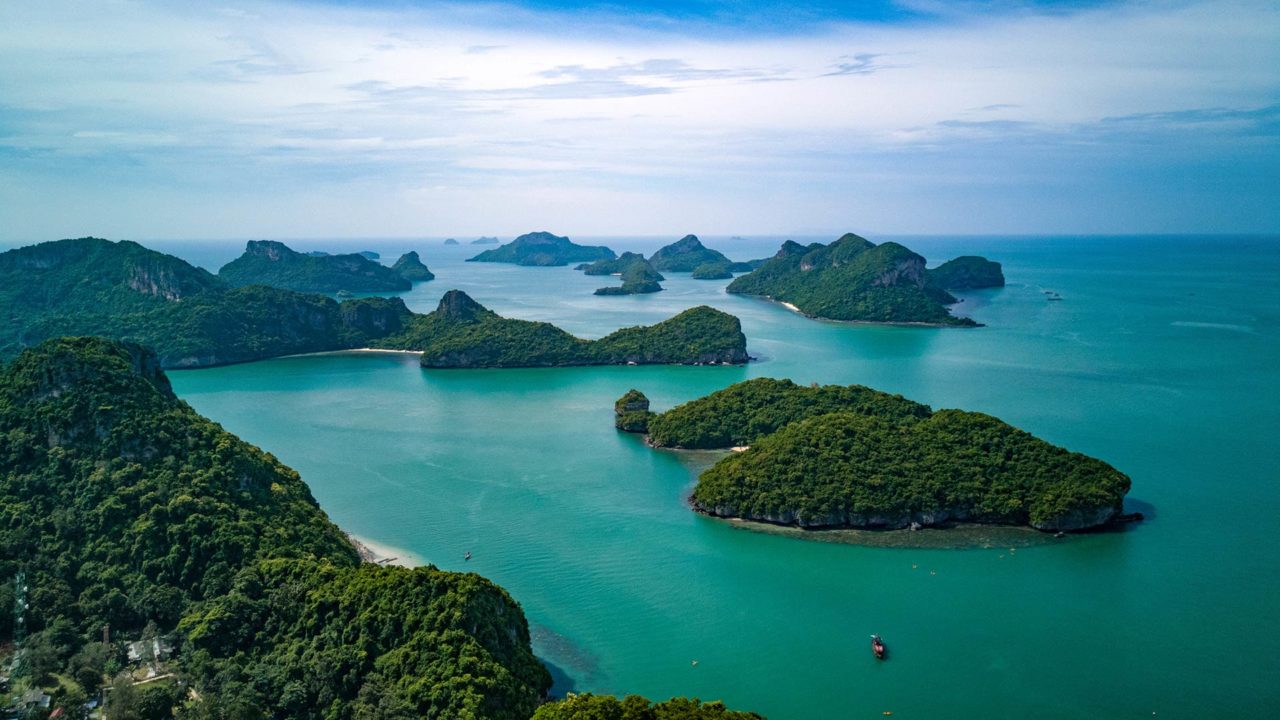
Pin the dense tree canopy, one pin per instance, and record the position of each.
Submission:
(123, 506)
(543, 249)
(855, 279)
(267, 262)
(634, 707)
(191, 318)
(744, 412)
(843, 469)
(685, 255)
(461, 333)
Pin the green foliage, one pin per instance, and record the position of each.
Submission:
(712, 271)
(744, 412)
(312, 640)
(543, 249)
(638, 277)
(411, 268)
(852, 279)
(631, 412)
(844, 469)
(685, 255)
(124, 291)
(121, 503)
(267, 262)
(633, 707)
(462, 333)
(123, 506)
(967, 272)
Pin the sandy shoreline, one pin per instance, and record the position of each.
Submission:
(379, 554)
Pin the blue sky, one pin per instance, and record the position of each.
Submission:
(324, 118)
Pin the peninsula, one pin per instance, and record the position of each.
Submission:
(856, 280)
(853, 457)
(461, 333)
(90, 286)
(543, 249)
(267, 262)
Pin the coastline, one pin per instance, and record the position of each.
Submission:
(377, 553)
(875, 323)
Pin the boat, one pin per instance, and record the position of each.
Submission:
(467, 556)
(877, 647)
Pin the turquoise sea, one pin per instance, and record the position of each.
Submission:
(1163, 358)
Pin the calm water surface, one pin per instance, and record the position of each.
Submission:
(1163, 359)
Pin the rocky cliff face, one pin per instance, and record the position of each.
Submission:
(374, 317)
(1073, 522)
(906, 271)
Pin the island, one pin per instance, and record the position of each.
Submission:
(462, 333)
(638, 276)
(266, 262)
(854, 279)
(544, 250)
(450, 241)
(853, 457)
(713, 271)
(91, 286)
(411, 268)
(685, 255)
(485, 240)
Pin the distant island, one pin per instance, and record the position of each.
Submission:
(854, 279)
(833, 456)
(638, 276)
(91, 286)
(450, 241)
(485, 240)
(267, 262)
(688, 254)
(410, 267)
(462, 333)
(543, 249)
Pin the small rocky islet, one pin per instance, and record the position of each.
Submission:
(823, 457)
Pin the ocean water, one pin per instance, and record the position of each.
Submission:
(1163, 358)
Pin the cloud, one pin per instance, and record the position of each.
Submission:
(357, 108)
(859, 64)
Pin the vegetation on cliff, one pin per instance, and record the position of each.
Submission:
(855, 279)
(631, 412)
(191, 318)
(461, 333)
(744, 412)
(266, 262)
(543, 249)
(411, 268)
(125, 507)
(606, 707)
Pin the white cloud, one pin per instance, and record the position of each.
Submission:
(618, 132)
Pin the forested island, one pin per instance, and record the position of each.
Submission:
(267, 262)
(462, 333)
(411, 268)
(856, 280)
(688, 254)
(836, 456)
(638, 275)
(543, 249)
(127, 510)
(90, 286)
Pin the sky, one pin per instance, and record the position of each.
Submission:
(394, 118)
